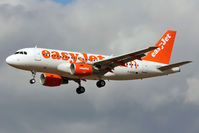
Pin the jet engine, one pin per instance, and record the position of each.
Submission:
(80, 69)
(51, 80)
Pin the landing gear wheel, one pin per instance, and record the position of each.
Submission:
(100, 83)
(80, 90)
(32, 81)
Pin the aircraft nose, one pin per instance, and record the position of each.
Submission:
(10, 60)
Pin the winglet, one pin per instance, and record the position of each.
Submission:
(163, 53)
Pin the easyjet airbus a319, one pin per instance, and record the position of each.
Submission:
(59, 67)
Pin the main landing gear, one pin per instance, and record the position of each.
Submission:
(32, 81)
(100, 83)
(81, 89)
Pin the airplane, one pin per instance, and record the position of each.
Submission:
(59, 67)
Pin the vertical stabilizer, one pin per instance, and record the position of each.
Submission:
(163, 53)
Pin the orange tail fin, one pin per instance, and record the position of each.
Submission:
(163, 53)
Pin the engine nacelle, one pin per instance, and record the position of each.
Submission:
(48, 79)
(64, 68)
(80, 69)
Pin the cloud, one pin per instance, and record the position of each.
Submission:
(110, 27)
(192, 92)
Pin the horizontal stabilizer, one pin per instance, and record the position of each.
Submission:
(174, 65)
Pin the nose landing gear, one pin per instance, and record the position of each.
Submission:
(32, 81)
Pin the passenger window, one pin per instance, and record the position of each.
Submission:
(25, 53)
(21, 52)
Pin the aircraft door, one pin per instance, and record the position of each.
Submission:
(38, 56)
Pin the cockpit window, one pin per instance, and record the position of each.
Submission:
(21, 52)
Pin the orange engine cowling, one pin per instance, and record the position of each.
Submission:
(80, 69)
(48, 79)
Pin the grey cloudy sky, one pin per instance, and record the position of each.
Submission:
(163, 104)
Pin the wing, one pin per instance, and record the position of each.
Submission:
(111, 63)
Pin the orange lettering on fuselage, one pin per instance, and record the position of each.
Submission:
(135, 64)
(85, 57)
(81, 59)
(46, 54)
(55, 55)
(74, 57)
(92, 58)
(100, 57)
(66, 56)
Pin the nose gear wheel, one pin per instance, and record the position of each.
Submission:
(32, 81)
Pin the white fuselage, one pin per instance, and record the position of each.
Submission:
(37, 60)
